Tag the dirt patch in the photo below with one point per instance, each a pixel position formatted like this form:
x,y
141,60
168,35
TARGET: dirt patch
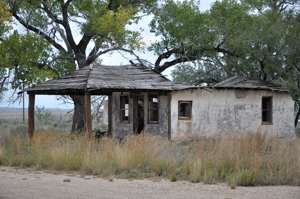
x,y
29,184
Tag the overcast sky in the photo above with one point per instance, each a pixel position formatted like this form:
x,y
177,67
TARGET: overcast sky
x,y
108,59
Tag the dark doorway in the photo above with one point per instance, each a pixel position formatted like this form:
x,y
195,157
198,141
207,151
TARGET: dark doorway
x,y
138,114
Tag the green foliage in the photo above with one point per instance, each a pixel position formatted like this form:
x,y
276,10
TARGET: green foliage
x,y
199,74
254,38
242,178
21,55
48,47
4,13
180,24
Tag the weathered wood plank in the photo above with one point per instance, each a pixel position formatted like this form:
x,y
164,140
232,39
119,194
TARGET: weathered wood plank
x,y
107,77
109,115
31,105
87,116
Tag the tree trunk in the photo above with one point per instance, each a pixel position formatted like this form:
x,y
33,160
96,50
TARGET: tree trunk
x,y
78,115
78,100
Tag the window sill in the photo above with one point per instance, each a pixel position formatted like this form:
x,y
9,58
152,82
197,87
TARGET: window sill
x,y
153,122
185,118
267,123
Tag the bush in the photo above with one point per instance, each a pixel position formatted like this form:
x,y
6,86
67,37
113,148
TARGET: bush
x,y
243,178
244,160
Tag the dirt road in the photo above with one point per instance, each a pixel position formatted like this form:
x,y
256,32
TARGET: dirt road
x,y
25,184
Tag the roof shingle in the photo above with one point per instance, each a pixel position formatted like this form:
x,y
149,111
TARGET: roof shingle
x,y
103,78
244,83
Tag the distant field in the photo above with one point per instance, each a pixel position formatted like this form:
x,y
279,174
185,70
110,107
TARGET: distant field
x,y
17,113
11,120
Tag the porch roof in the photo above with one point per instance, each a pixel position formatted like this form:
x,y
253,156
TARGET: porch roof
x,y
102,79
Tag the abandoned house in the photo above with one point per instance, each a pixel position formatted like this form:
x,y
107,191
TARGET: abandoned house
x,y
143,101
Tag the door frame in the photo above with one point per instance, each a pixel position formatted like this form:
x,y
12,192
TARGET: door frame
x,y
136,119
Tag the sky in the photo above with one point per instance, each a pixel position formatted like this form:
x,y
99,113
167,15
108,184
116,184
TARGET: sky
x,y
107,59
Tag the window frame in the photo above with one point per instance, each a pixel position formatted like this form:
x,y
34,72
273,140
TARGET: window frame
x,y
269,110
124,109
186,118
150,96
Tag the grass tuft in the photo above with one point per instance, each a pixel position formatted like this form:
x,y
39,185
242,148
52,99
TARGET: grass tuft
x,y
246,160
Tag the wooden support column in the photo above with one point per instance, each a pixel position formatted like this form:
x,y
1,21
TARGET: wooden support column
x,y
109,114
87,116
169,116
31,115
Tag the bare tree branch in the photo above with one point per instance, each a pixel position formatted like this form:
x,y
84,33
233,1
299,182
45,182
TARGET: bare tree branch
x,y
85,40
3,81
50,14
181,58
65,23
165,55
94,54
38,31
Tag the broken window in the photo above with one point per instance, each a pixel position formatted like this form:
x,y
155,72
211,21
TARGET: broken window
x,y
185,110
124,107
153,106
267,110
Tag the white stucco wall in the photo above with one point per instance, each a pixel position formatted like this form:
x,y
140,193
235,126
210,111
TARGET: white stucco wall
x,y
227,111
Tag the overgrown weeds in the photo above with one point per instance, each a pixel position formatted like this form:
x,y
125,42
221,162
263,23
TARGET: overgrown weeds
x,y
246,160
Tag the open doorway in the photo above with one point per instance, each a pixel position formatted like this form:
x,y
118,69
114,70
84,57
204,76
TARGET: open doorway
x,y
138,119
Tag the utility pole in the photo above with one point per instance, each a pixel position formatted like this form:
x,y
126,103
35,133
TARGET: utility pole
x,y
23,101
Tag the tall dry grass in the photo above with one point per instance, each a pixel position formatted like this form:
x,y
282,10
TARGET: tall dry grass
x,y
244,160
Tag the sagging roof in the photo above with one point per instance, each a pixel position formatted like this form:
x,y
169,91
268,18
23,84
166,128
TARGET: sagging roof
x,y
101,78
244,83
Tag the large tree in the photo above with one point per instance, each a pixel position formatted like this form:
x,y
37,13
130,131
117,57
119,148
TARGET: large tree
x,y
254,38
73,33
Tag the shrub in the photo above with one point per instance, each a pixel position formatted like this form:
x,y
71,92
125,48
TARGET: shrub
x,y
243,178
173,178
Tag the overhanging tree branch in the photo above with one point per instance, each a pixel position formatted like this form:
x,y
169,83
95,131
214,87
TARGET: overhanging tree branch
x,y
85,40
39,32
94,54
165,55
182,56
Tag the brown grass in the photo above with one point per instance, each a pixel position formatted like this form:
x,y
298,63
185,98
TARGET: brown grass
x,y
245,160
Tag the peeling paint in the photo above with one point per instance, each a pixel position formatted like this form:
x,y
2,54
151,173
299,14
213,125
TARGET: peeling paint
x,y
219,112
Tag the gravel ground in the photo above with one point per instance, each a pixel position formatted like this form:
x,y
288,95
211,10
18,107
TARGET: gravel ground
x,y
28,184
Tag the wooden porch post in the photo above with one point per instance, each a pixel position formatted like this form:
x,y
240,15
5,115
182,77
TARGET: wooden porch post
x,y
87,116
31,115
109,112
169,116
